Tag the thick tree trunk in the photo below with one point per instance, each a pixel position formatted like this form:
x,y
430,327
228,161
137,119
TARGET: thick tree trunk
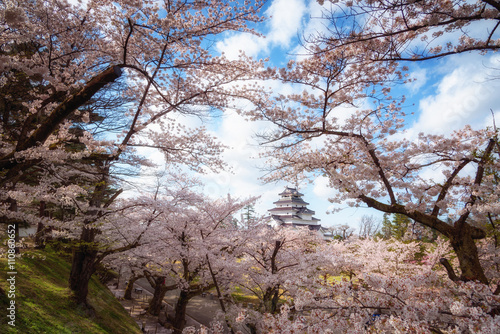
x,y
83,266
274,301
156,302
64,109
40,230
465,248
179,320
130,286
159,293
85,256
270,300
40,236
158,284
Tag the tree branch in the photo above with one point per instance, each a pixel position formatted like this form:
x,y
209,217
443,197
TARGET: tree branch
x,y
447,185
451,273
477,182
427,220
493,3
61,112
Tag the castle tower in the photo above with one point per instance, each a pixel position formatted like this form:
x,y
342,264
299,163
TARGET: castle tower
x,y
291,210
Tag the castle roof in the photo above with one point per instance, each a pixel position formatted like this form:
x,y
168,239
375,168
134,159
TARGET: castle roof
x,y
292,206
291,192
311,227
293,200
306,210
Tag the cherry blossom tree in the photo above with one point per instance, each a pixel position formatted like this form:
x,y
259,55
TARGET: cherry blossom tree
x,y
135,275
393,287
340,121
63,55
368,163
367,286
344,124
172,194
199,240
188,248
411,30
342,231
158,282
273,265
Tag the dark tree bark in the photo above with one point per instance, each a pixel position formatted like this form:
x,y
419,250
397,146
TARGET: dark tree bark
x,y
86,257
179,321
271,299
130,286
86,253
159,292
160,289
271,296
83,265
461,233
468,257
462,237
11,166
41,230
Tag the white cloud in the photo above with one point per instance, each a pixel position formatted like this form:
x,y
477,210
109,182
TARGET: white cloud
x,y
243,159
251,45
419,77
463,96
492,119
244,181
321,187
286,20
312,26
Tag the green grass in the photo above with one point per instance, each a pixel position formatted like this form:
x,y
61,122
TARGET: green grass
x,y
241,296
331,279
44,304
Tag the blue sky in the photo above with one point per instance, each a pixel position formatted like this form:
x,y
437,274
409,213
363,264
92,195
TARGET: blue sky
x,y
447,94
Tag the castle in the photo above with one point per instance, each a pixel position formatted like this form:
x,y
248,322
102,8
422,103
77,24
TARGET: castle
x,y
291,210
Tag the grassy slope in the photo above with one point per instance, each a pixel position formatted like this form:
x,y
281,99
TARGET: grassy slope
x,y
43,303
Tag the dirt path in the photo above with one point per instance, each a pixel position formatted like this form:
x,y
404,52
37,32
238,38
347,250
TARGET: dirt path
x,y
137,309
201,310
